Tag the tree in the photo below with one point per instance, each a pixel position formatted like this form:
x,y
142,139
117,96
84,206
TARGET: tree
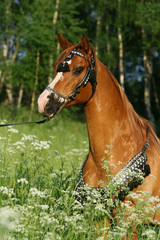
x,y
149,18
10,40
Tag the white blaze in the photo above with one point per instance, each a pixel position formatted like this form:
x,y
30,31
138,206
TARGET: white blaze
x,y
58,77
43,98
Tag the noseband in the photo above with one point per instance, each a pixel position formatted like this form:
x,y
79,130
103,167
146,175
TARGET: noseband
x,y
90,76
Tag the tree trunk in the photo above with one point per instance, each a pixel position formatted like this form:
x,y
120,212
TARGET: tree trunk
x,y
9,93
50,77
147,86
55,16
156,95
97,34
35,83
51,69
2,78
121,65
148,66
7,74
5,50
20,96
121,55
108,45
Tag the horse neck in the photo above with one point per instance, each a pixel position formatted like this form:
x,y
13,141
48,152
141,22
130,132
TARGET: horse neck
x,y
112,121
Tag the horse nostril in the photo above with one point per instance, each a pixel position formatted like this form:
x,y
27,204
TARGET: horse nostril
x,y
52,106
48,105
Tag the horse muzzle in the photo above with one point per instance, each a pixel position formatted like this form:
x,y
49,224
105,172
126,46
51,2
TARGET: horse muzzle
x,y
49,104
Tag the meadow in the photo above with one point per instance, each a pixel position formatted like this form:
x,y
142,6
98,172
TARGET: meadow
x,y
39,168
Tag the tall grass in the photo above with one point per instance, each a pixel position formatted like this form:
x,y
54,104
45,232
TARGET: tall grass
x,y
39,168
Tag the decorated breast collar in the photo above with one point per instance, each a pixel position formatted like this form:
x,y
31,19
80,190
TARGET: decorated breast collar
x,y
128,178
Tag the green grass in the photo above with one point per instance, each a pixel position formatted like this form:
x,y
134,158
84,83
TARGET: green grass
x,y
39,167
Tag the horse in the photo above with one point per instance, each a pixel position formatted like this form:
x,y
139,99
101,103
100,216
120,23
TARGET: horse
x,y
81,78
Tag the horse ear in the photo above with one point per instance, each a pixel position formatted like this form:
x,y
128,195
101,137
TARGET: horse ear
x,y
63,42
84,43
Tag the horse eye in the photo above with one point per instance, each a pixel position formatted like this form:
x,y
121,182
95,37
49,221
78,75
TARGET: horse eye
x,y
78,70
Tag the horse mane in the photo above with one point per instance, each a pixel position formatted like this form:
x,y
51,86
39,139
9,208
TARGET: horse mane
x,y
134,117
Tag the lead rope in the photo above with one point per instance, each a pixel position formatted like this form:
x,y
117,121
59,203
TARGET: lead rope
x,y
37,122
14,124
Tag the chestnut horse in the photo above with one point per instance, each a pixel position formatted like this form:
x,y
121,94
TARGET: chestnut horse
x,y
111,120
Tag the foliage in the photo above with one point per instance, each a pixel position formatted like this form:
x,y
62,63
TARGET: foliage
x,y
29,29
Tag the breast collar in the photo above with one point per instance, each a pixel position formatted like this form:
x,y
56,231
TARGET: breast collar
x,y
128,178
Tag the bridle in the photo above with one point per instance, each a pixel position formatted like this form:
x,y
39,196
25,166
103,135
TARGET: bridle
x,y
90,76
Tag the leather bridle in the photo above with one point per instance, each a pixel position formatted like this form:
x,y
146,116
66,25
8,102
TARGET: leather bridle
x,y
90,76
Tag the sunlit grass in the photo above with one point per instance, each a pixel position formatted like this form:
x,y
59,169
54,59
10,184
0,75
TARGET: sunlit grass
x,y
39,166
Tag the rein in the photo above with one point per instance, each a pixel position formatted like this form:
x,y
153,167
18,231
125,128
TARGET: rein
x,y
37,122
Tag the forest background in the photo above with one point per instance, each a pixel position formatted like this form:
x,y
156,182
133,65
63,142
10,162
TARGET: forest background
x,y
126,35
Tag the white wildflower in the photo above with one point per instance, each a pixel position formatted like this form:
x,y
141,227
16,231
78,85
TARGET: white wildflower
x,y
6,191
120,163
41,144
3,121
3,138
49,236
76,150
13,130
22,180
52,137
10,150
19,144
151,234
85,150
36,192
8,217
154,200
28,137
134,196
52,175
44,207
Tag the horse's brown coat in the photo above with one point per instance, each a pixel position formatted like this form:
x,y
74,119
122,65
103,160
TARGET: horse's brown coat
x,y
111,120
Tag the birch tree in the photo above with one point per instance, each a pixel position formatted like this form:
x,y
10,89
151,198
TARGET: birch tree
x,y
149,18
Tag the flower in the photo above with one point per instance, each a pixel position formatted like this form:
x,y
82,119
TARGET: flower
x,y
8,217
13,130
41,144
149,233
6,191
22,180
36,192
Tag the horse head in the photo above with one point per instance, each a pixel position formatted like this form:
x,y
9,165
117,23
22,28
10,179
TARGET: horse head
x,y
75,77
